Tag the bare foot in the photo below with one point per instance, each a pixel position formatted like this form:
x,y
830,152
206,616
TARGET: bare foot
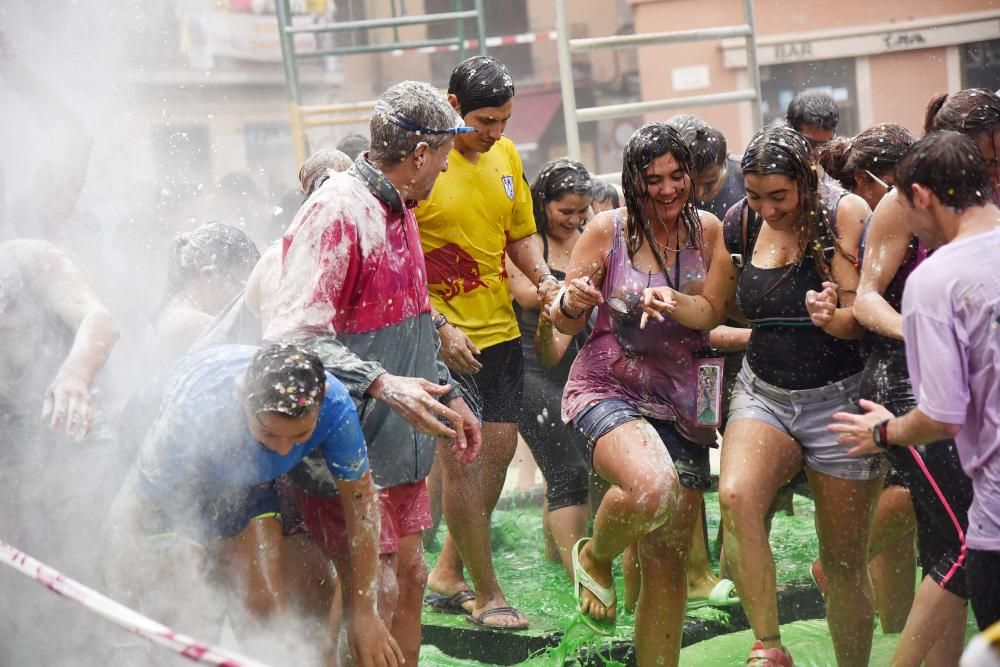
x,y
590,605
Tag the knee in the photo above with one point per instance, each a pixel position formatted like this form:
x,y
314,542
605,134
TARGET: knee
x,y
388,585
736,504
650,499
412,578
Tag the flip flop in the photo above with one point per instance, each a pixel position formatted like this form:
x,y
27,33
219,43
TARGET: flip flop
x,y
451,604
582,579
723,594
498,611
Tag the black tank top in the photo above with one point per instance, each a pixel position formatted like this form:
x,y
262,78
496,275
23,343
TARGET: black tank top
x,y
785,348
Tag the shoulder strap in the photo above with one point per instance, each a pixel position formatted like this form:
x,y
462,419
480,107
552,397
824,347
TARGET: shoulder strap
x,y
740,238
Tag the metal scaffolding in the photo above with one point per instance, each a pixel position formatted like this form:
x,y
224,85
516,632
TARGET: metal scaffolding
x,y
305,116
574,116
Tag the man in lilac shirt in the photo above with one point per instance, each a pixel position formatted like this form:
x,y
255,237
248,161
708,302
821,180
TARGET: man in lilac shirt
x,y
951,325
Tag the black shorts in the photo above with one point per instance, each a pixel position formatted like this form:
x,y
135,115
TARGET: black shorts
x,y
690,458
940,490
494,393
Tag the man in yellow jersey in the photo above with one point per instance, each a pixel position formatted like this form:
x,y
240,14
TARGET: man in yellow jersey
x,y
480,211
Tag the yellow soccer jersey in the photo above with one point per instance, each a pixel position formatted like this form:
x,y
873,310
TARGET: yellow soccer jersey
x,y
465,225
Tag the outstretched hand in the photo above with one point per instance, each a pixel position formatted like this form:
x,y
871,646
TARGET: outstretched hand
x,y
468,433
416,401
856,430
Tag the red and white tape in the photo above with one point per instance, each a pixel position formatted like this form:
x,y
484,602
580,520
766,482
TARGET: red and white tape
x,y
491,42
119,614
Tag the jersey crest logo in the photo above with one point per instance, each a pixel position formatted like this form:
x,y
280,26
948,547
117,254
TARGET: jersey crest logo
x,y
508,185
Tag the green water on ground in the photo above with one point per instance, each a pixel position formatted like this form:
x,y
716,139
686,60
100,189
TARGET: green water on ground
x,y
543,592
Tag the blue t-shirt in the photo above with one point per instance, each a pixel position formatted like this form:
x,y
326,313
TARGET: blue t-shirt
x,y
199,446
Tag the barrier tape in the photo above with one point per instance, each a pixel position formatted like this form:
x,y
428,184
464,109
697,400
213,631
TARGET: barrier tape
x,y
119,614
491,42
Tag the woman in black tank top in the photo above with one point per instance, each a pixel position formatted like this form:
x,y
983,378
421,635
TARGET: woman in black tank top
x,y
799,370
561,196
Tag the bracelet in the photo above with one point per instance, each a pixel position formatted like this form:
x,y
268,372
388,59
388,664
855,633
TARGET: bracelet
x,y
440,321
880,434
562,307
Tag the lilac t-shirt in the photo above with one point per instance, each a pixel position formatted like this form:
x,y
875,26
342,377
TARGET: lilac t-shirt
x,y
951,325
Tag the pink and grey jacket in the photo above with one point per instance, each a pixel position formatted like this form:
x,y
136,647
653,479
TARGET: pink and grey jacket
x,y
354,284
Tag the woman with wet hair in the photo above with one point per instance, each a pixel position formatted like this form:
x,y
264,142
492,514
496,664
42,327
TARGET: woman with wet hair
x,y
561,196
866,164
635,388
793,240
207,268
975,112
941,492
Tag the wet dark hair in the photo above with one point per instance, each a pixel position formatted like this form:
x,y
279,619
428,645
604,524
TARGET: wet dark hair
x,y
951,165
286,379
601,191
971,111
481,81
706,144
645,145
353,145
557,178
878,150
227,248
777,149
813,108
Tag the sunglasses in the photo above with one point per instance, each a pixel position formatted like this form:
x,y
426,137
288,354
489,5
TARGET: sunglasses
x,y
399,120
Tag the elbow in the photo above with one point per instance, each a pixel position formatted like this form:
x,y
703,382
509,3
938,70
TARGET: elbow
x,y
949,431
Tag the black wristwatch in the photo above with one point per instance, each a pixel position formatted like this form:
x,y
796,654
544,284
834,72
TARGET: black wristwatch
x,y
880,434
440,321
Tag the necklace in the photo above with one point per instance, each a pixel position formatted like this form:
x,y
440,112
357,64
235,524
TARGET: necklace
x,y
677,239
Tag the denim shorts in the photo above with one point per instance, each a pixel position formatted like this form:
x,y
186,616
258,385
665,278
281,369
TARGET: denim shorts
x,y
690,458
804,415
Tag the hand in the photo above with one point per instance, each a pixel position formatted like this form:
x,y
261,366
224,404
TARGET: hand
x,y
415,399
822,305
457,350
547,285
545,307
655,302
67,403
856,430
581,296
468,433
370,642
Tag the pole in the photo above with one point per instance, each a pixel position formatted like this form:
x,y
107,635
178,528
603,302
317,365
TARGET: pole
x,y
566,83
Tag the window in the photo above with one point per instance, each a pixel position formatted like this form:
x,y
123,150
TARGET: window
x,y
501,18
981,65
780,83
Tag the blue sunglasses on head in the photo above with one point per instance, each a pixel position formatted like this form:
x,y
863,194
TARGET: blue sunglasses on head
x,y
399,120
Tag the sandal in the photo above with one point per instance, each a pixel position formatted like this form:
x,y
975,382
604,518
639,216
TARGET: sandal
x,y
451,604
582,579
478,621
769,657
723,594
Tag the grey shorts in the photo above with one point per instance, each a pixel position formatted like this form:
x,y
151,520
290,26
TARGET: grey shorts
x,y
804,414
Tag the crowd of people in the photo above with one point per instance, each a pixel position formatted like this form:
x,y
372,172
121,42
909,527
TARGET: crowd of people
x,y
824,309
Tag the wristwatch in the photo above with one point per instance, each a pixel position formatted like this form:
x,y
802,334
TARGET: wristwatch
x,y
546,276
880,434
562,306
440,321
